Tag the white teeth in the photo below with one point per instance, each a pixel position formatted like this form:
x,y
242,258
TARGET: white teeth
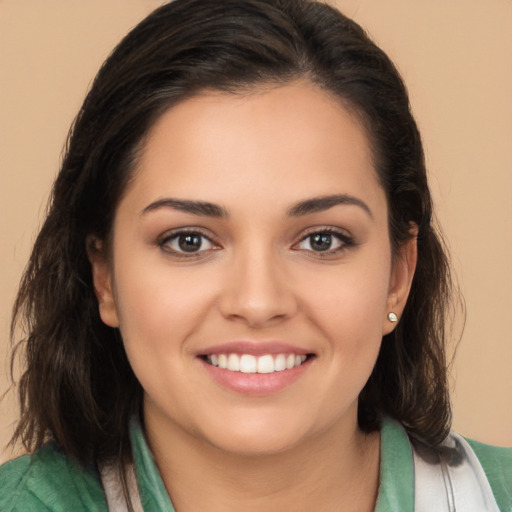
x,y
233,363
247,363
280,363
266,364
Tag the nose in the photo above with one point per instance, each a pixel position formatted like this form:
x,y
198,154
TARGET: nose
x,y
257,290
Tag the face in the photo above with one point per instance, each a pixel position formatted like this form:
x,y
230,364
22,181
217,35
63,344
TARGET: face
x,y
251,272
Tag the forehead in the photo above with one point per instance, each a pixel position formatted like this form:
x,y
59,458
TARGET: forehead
x,y
295,138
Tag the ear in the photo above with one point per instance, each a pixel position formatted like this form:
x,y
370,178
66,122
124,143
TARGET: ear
x,y
102,281
404,265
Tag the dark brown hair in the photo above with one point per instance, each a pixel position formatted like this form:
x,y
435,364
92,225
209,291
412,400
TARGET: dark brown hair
x,y
77,386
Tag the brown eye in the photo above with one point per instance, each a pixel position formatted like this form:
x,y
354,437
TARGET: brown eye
x,y
187,242
190,243
322,241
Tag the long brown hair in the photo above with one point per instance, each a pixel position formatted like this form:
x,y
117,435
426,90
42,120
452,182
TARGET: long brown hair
x,y
77,386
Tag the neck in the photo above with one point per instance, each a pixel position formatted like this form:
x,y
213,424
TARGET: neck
x,y
335,471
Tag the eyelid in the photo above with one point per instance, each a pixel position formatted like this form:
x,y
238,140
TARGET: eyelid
x,y
346,239
343,234
163,240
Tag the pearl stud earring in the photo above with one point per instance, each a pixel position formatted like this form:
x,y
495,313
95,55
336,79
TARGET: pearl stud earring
x,y
392,317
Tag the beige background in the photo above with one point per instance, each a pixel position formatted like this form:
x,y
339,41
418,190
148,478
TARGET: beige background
x,y
456,59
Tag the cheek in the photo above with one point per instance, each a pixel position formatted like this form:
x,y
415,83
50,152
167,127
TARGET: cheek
x,y
159,312
350,310
158,308
351,301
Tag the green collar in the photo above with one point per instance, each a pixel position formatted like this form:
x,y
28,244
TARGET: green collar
x,y
152,491
396,490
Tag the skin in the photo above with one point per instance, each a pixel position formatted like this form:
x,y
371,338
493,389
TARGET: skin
x,y
257,277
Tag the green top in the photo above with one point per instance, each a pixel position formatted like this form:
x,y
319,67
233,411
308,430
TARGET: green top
x,y
49,481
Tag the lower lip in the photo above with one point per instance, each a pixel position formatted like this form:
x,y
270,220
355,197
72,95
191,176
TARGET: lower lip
x,y
257,384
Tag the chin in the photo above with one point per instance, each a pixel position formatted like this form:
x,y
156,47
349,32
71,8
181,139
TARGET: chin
x,y
258,436
251,446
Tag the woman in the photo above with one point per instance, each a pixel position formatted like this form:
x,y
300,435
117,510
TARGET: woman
x,y
237,298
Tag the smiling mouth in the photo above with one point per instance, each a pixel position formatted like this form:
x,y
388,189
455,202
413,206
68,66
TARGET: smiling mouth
x,y
248,363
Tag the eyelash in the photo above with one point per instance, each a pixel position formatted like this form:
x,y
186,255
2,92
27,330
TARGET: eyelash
x,y
346,241
165,240
164,243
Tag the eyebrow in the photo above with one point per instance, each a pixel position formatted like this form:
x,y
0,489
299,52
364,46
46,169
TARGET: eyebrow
x,y
204,208
194,207
320,204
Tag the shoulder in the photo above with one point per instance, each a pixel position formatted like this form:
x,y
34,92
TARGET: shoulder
x,y
496,462
49,481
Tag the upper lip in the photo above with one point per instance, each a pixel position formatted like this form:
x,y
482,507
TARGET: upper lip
x,y
256,348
